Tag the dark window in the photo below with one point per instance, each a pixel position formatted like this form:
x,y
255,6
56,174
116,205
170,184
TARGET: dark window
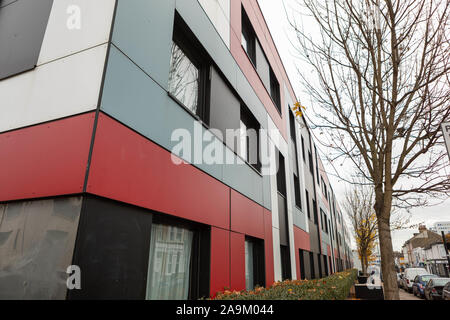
x,y
298,199
248,39
319,261
315,212
331,265
292,125
281,175
22,28
325,263
249,138
310,163
254,263
294,139
307,204
189,71
303,149
302,263
322,219
317,163
285,262
311,264
275,90
325,221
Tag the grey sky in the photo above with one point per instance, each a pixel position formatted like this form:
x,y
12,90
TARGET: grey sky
x,y
281,32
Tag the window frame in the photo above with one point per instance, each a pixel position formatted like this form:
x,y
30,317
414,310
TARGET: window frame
x,y
281,175
200,255
259,267
275,90
249,34
185,39
250,121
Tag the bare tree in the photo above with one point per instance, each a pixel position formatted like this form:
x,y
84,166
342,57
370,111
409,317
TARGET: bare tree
x,y
358,204
381,79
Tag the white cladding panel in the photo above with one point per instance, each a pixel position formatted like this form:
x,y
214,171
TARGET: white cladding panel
x,y
62,88
218,12
63,37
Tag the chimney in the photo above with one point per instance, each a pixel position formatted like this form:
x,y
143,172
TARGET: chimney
x,y
422,228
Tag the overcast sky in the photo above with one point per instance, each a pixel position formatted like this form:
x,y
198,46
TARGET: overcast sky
x,y
281,32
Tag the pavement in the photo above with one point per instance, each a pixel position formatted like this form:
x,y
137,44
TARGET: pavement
x,y
407,296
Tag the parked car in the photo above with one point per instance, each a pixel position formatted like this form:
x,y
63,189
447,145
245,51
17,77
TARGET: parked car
x,y
420,282
446,292
433,289
409,275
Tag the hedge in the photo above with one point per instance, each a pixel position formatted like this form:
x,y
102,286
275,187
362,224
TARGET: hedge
x,y
334,287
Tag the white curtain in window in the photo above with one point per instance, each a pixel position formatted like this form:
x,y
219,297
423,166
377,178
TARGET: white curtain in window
x,y
169,263
249,283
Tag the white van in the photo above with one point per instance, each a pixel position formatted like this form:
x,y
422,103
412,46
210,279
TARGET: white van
x,y
409,275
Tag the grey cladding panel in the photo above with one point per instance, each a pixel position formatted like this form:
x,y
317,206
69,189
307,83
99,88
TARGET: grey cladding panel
x,y
4,3
225,108
22,29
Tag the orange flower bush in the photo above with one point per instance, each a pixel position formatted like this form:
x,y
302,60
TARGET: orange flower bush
x,y
334,287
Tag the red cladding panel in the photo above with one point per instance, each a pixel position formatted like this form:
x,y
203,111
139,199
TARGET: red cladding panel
x,y
247,67
127,167
237,261
220,260
45,160
301,239
246,216
268,247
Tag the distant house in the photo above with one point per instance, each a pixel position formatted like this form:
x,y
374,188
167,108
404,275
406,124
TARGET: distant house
x,y
436,260
414,248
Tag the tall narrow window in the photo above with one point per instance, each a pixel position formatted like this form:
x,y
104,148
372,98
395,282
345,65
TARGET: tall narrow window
x,y
307,204
169,263
319,261
311,264
325,263
248,39
310,163
275,90
249,138
303,149
281,175
315,212
249,274
254,263
298,200
302,264
285,262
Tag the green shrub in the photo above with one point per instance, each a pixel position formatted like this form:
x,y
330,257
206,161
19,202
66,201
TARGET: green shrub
x,y
334,287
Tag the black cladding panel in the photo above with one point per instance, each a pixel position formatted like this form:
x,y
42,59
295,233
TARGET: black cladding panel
x,y
22,28
112,250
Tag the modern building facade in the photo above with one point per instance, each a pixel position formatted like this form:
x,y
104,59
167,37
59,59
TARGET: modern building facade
x,y
441,226
99,101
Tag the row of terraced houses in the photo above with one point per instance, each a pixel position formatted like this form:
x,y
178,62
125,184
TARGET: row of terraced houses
x,y
94,99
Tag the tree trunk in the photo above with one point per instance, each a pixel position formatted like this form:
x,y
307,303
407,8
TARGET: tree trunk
x,y
364,264
387,258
